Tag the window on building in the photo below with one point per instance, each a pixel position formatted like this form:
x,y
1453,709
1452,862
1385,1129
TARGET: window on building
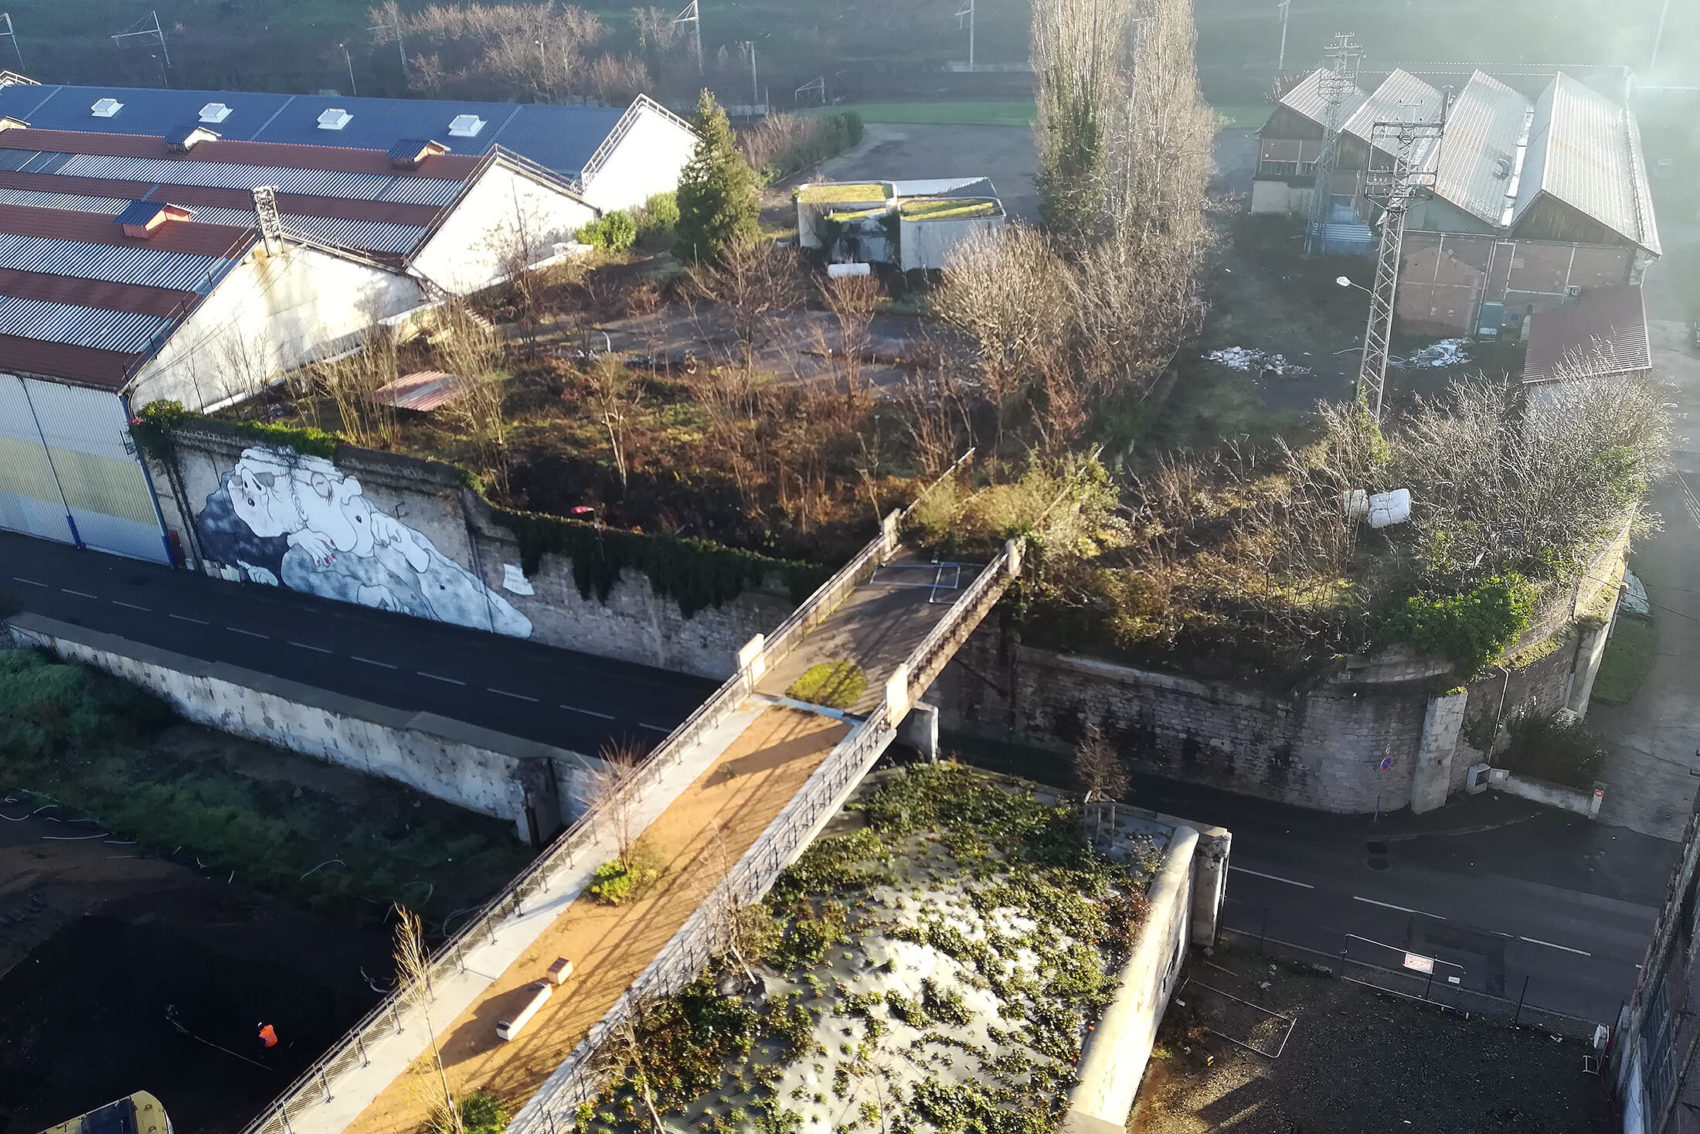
x,y
1278,169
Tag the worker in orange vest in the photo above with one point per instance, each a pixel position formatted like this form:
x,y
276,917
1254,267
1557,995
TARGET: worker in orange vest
x,y
268,1035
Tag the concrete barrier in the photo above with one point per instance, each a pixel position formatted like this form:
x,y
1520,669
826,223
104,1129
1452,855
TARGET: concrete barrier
x,y
475,768
1576,800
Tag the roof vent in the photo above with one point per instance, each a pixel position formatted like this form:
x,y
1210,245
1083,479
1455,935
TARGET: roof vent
x,y
106,108
465,126
187,138
140,218
214,112
335,119
410,153
7,122
1502,168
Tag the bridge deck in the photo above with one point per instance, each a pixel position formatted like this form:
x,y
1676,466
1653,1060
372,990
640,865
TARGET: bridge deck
x,y
699,837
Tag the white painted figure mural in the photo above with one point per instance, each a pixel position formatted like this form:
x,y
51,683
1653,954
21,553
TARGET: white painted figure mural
x,y
299,522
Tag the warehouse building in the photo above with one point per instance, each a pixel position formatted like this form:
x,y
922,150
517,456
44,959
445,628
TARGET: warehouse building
x,y
138,268
614,158
1534,201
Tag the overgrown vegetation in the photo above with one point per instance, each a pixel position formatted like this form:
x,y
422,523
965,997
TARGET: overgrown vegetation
x,y
614,231
936,969
98,745
836,684
1554,746
783,144
625,879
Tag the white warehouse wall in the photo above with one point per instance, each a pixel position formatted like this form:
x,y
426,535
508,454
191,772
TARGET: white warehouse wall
x,y
646,161
474,247
270,314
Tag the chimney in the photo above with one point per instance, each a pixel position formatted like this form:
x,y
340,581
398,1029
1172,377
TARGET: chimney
x,y
410,153
183,140
141,219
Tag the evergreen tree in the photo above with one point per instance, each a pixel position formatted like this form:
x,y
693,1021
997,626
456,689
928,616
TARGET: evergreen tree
x,y
717,191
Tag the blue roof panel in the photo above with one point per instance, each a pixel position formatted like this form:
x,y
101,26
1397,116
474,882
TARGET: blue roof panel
x,y
560,138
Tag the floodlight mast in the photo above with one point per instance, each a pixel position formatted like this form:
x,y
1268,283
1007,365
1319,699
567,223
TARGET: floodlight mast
x,y
693,15
968,12
155,32
11,34
1281,57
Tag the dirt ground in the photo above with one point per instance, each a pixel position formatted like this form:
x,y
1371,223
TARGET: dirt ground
x,y
125,967
1356,1061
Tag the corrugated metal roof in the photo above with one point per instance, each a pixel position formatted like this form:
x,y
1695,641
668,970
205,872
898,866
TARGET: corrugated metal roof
x,y
561,138
154,267
1479,159
1585,150
1401,97
82,365
162,303
73,325
421,391
1603,333
1305,98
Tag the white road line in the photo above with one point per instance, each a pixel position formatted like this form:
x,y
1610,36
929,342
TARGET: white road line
x,y
589,712
131,605
249,633
309,646
515,696
1561,948
1401,909
655,728
1271,877
371,661
79,594
186,618
31,582
445,680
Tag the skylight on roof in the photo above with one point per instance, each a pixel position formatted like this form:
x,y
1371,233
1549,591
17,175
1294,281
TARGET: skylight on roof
x,y
335,119
214,112
465,126
106,108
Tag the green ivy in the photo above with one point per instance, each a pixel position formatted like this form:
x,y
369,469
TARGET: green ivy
x,y
1472,628
695,573
153,425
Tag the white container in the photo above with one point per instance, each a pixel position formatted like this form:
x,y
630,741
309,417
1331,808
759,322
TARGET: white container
x,y
1355,504
839,271
1389,508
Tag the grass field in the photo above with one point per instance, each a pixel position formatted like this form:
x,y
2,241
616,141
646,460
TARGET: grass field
x,y
1628,659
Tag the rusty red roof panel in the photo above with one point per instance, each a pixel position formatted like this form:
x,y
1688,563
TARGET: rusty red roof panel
x,y
1604,332
82,365
225,241
160,302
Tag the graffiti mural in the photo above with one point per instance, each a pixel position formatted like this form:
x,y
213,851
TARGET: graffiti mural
x,y
299,522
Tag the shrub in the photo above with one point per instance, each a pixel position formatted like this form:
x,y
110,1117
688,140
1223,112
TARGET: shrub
x,y
1553,746
836,684
659,215
483,1113
1472,628
614,232
619,881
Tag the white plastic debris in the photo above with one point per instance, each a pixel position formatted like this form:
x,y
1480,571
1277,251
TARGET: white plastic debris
x,y
1252,360
1355,503
1445,352
1389,508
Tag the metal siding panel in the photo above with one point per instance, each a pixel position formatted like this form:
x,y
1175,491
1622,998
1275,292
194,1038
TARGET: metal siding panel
x,y
74,325
153,267
29,499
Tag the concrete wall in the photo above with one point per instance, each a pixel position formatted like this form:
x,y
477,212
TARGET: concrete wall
x,y
1446,277
646,161
481,770
471,573
1272,195
270,314
1112,1063
505,212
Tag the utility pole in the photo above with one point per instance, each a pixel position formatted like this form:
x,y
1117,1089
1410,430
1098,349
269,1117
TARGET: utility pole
x,y
12,35
1412,150
156,33
400,48
1658,38
755,88
693,15
1281,58
1342,54
349,61
968,12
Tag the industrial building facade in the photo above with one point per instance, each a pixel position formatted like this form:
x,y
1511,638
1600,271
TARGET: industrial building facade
x,y
1533,201
182,265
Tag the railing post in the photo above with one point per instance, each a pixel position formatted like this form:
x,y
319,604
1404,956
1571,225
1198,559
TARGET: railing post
x,y
360,1045
325,1082
1012,553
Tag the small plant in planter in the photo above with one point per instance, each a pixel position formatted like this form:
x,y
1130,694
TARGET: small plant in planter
x,y
618,880
837,684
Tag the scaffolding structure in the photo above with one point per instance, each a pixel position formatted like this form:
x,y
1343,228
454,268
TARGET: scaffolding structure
x,y
1403,158
1342,54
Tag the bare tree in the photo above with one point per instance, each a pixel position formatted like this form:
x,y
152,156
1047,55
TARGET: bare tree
x,y
413,978
352,381
1079,50
752,282
853,301
616,397
467,348
609,791
1098,769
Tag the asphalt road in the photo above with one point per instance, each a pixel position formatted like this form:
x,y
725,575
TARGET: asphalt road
x,y
1496,890
577,701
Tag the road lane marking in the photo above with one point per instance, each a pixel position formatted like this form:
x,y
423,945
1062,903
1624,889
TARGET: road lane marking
x,y
1401,909
31,582
372,661
186,618
515,696
1271,877
79,594
655,728
589,712
309,646
435,677
131,605
1551,945
249,633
